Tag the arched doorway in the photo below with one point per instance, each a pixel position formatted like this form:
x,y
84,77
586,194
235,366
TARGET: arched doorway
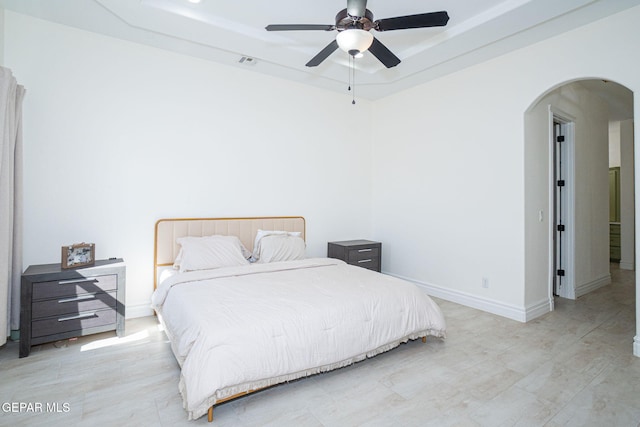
x,y
567,152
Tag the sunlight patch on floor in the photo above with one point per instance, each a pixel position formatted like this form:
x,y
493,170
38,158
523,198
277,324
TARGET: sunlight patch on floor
x,y
115,341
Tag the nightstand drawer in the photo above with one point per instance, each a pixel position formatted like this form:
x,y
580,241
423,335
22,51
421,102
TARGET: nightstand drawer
x,y
370,263
73,304
72,322
356,255
82,285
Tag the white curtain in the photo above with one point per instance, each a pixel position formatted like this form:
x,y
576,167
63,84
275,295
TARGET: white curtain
x,y
11,95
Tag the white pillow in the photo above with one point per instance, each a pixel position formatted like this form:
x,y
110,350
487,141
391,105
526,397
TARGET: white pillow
x,y
279,247
261,233
202,253
164,273
176,262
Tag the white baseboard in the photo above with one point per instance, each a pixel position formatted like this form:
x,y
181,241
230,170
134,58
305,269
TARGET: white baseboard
x,y
513,312
636,346
536,310
624,265
591,286
133,311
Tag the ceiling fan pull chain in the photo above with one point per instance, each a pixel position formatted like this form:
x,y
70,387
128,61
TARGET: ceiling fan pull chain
x,y
350,59
353,79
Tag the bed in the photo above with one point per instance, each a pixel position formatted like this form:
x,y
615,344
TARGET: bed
x,y
237,326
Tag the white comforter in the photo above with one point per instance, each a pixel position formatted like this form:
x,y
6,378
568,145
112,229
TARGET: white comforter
x,y
240,328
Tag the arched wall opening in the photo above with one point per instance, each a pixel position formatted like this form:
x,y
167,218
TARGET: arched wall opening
x,y
594,118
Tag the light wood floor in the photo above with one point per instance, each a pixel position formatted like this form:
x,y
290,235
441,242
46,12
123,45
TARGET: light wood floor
x,y
571,367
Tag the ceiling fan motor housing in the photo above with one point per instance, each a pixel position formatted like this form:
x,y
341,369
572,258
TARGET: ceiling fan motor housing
x,y
344,21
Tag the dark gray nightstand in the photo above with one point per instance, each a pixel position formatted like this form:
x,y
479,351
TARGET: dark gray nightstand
x,y
363,253
58,303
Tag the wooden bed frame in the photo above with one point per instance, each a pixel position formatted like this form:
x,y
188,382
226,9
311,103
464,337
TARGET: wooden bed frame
x,y
169,229
166,249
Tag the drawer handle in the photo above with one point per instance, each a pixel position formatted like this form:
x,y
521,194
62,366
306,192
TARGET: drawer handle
x,y
365,250
77,316
364,260
69,282
78,298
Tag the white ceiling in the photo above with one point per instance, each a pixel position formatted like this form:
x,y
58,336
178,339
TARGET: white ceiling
x,y
225,31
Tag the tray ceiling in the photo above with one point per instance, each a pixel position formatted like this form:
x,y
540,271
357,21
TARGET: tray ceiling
x,y
226,32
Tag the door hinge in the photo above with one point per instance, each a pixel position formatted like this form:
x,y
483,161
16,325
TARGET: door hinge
x,y
560,138
560,227
560,273
561,183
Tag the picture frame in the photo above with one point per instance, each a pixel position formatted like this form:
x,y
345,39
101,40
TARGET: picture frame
x,y
78,255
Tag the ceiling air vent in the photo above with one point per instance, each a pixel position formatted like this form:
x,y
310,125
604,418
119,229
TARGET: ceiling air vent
x,y
247,60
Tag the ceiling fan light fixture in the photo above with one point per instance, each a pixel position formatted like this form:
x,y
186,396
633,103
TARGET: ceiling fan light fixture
x,y
354,41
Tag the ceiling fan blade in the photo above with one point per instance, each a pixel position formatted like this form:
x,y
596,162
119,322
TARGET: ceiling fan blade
x,y
299,27
423,20
356,7
324,54
383,54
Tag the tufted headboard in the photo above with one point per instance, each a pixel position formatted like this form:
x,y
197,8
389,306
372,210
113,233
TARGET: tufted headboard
x,y
168,230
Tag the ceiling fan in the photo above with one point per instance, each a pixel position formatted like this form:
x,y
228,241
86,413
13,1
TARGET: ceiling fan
x,y
353,25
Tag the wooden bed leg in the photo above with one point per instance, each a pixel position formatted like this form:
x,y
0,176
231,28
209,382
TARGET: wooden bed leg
x,y
210,415
424,339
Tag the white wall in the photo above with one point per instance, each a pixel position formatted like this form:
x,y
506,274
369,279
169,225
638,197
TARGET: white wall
x,y
627,197
614,144
118,135
449,160
592,193
448,196
1,36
